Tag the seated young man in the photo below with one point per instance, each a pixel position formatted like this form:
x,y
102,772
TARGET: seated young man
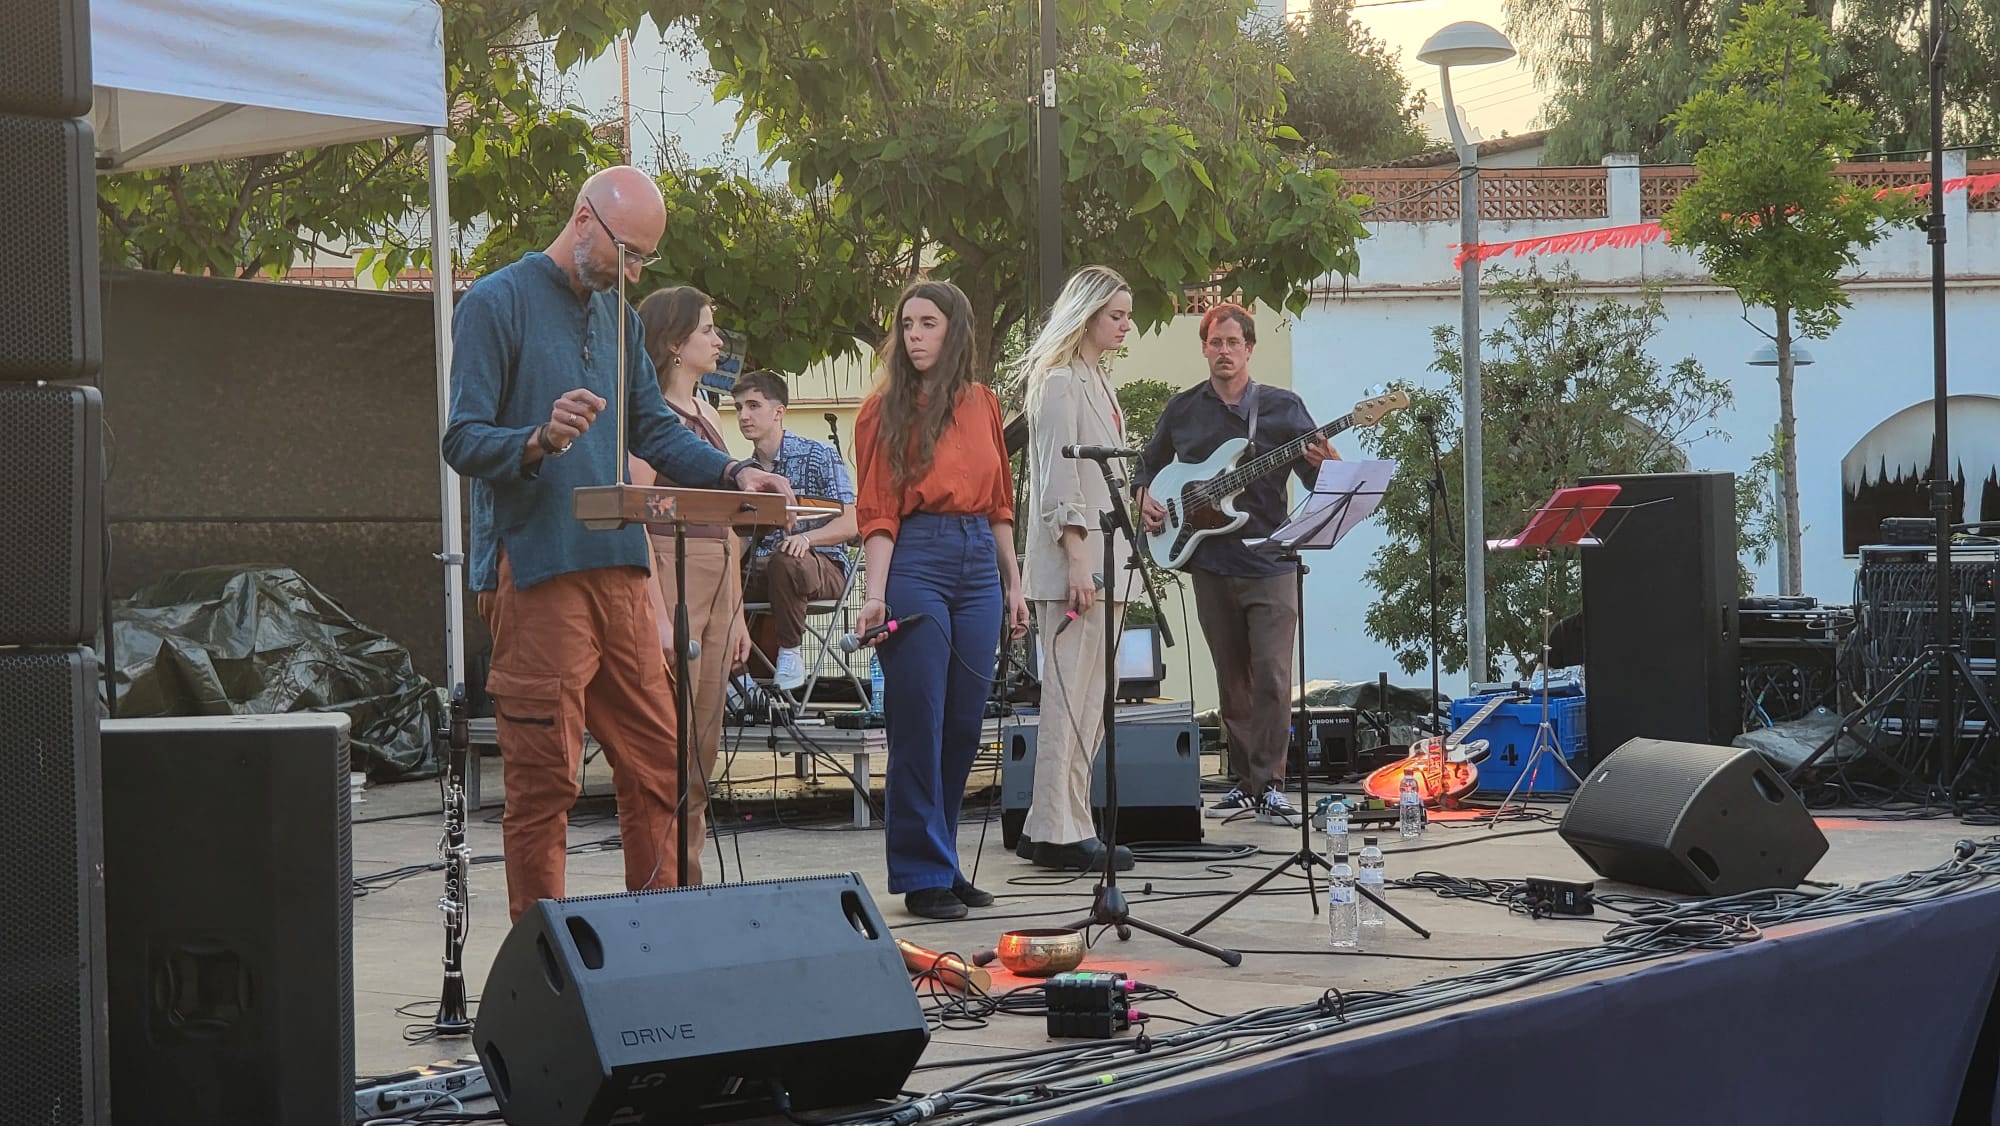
x,y
790,569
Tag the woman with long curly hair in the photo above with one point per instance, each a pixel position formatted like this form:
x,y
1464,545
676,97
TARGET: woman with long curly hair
x,y
936,508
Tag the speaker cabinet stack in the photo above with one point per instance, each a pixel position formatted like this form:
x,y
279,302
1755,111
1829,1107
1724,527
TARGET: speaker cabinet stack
x,y
53,1056
1660,639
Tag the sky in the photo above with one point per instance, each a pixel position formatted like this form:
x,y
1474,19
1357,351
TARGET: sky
x,y
670,98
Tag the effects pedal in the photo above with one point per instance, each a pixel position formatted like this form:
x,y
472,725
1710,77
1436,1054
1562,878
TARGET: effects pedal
x,y
1088,1005
429,1087
1558,897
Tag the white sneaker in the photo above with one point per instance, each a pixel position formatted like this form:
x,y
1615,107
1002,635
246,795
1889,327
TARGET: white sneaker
x,y
791,670
1230,804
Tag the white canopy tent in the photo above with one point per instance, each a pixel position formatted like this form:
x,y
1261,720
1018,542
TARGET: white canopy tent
x,y
192,81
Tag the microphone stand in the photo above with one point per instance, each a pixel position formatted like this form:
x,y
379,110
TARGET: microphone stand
x,y
1108,907
1436,495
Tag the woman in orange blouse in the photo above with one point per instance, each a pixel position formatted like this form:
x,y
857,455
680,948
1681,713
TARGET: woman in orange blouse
x,y
936,508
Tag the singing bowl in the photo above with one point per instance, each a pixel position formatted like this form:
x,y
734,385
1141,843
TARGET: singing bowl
x,y
1041,953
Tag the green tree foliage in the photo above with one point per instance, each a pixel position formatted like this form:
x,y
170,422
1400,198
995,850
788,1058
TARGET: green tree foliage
x,y
1348,100
1617,69
1571,390
918,115
1768,217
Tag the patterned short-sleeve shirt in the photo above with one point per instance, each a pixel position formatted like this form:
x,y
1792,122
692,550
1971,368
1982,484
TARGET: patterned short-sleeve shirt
x,y
815,470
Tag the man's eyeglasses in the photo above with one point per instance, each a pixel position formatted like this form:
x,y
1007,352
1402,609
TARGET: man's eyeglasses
x,y
627,251
1229,345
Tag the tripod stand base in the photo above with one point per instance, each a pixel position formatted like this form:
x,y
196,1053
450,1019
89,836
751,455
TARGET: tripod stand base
x,y
1108,909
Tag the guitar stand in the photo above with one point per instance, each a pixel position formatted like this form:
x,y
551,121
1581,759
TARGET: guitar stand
x,y
1306,858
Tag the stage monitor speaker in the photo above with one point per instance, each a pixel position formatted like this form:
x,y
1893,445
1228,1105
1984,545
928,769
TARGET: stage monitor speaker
x,y
48,288
51,513
228,877
1659,608
54,1064
695,1004
1159,781
1689,818
45,58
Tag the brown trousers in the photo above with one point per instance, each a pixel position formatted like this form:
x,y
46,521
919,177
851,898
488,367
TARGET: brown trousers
x,y
788,584
715,603
1250,625
580,651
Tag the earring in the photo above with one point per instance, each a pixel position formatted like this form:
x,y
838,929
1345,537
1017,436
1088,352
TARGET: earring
x,y
677,359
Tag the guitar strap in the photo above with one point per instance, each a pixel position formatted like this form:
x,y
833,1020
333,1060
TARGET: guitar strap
x,y
1255,398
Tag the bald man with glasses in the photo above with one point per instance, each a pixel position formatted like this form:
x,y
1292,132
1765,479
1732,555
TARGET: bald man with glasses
x,y
533,382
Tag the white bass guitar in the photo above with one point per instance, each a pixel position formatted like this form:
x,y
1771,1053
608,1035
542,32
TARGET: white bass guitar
x,y
1200,497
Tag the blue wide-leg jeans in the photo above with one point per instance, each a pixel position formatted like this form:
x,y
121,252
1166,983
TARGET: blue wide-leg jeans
x,y
936,677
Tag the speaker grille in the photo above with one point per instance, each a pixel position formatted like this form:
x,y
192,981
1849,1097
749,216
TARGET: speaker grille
x,y
51,939
45,58
49,286
1653,789
51,514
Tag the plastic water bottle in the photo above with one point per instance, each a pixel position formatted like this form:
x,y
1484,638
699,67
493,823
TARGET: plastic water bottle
x,y
1336,828
1410,807
1341,913
874,683
1371,878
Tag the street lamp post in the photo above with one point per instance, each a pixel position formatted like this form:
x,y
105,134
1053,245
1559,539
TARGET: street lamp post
x,y
1469,44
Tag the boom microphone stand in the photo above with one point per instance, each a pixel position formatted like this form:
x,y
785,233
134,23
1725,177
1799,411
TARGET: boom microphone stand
x,y
1108,907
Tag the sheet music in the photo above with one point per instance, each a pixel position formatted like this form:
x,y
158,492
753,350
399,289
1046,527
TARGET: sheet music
x,y
1366,481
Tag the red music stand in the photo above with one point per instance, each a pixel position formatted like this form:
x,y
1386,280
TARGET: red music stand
x,y
1567,519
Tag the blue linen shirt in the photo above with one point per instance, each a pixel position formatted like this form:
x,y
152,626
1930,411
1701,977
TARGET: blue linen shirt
x,y
521,338
815,470
1192,425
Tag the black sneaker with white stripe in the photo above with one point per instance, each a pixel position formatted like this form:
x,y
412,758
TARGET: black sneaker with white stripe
x,y
1273,809
1232,803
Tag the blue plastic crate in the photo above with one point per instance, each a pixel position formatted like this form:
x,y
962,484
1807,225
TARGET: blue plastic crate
x,y
1510,736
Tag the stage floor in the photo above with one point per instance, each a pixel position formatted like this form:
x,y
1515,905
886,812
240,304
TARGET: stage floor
x,y
1287,959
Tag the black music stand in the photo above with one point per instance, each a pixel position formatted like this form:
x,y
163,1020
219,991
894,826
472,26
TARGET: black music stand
x,y
1567,519
1345,494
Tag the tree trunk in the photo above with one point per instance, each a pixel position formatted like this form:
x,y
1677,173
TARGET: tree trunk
x,y
1788,456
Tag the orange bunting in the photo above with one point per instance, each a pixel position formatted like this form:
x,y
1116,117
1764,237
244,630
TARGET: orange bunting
x,y
1635,234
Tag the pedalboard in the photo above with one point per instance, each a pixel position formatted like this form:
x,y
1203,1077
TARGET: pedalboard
x,y
437,1086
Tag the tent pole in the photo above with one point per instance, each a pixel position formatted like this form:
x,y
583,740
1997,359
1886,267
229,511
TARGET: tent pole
x,y
453,555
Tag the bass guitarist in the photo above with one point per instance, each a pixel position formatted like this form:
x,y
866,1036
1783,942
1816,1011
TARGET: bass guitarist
x,y
1247,600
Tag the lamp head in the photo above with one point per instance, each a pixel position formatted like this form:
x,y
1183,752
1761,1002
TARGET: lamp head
x,y
1766,356
1467,43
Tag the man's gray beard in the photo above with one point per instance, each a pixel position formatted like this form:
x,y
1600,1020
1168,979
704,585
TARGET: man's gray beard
x,y
586,270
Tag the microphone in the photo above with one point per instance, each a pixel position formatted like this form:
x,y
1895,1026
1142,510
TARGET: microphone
x,y
1070,615
1098,453
850,642
694,649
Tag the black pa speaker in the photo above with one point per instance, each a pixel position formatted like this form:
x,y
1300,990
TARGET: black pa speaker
x,y
696,1004
1159,781
52,513
53,1057
1659,613
49,327
228,877
1684,817
45,58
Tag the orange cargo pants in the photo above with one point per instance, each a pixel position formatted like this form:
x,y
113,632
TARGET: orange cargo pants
x,y
580,651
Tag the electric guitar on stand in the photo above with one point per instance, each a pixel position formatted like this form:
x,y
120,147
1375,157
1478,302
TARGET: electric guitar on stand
x,y
1447,769
1200,497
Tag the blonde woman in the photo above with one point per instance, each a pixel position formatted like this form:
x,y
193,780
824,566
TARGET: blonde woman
x,y
1070,401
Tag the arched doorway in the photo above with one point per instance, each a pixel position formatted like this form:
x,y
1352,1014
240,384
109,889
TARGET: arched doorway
x,y
1887,473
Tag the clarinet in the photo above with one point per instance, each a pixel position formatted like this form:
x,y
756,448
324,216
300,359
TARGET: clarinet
x,y
457,856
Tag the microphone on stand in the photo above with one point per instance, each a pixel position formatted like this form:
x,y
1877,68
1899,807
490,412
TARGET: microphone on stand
x,y
850,642
1098,453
